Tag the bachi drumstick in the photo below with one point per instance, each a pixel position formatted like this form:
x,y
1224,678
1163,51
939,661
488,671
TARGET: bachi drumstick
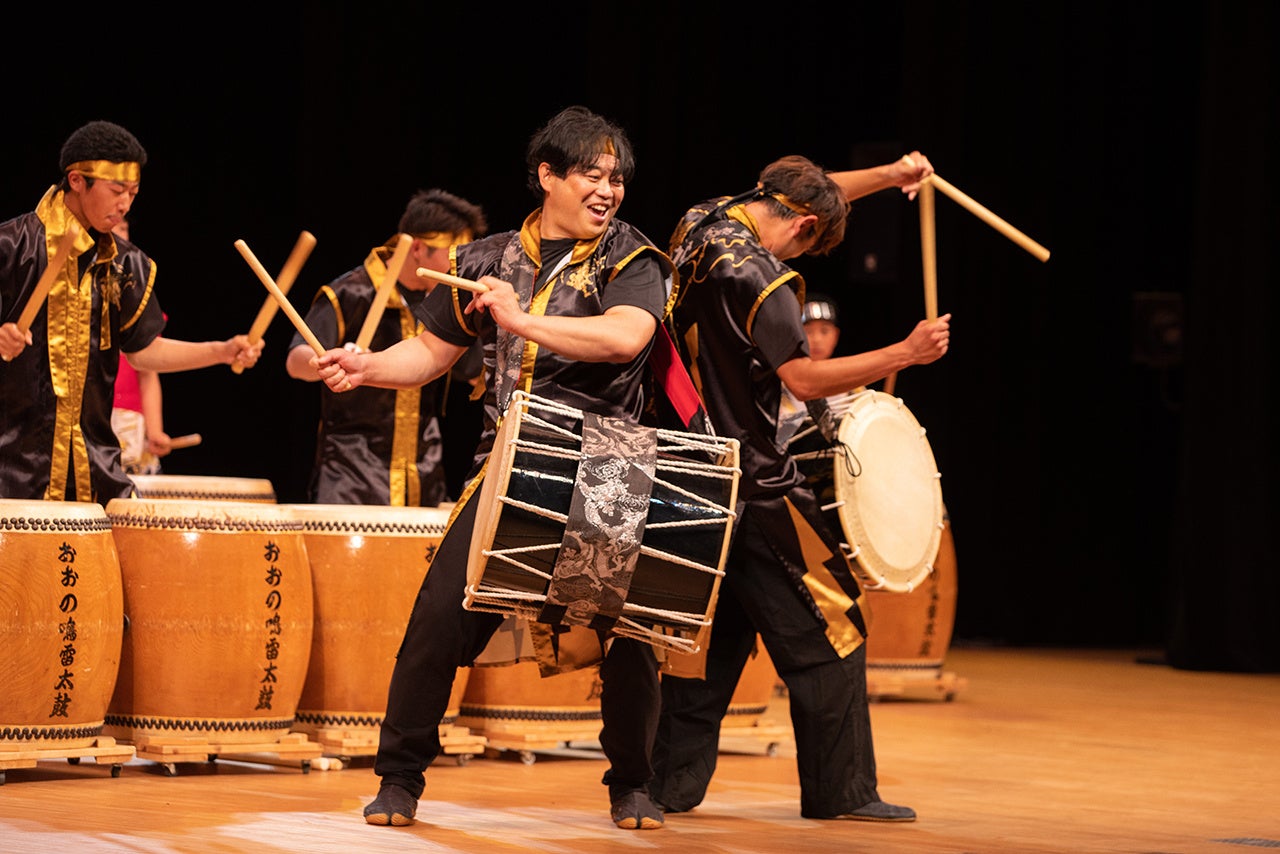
x,y
453,281
301,251
988,217
289,310
394,266
32,308
928,262
188,441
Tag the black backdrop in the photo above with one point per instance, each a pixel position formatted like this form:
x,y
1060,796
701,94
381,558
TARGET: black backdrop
x,y
1102,422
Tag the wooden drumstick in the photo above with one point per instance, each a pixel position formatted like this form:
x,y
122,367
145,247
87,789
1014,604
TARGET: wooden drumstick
x,y
301,251
289,310
929,251
32,308
453,281
394,266
188,441
988,217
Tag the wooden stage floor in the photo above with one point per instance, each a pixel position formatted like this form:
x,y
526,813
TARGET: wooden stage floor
x,y
1041,751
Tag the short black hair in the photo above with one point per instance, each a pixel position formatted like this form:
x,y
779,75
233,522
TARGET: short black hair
x,y
575,138
439,210
101,140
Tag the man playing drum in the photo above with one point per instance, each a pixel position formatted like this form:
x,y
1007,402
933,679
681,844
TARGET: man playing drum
x,y
786,578
72,299
568,308
383,446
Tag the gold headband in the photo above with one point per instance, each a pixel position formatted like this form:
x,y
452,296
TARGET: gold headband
x,y
444,239
108,170
785,200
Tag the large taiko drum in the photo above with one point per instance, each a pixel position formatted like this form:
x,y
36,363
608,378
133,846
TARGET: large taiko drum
x,y
61,623
911,632
881,490
367,564
199,487
218,598
644,518
515,707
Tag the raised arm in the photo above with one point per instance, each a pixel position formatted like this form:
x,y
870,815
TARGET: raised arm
x,y
906,172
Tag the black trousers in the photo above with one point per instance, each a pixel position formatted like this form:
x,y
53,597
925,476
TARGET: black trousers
x,y
442,636
829,709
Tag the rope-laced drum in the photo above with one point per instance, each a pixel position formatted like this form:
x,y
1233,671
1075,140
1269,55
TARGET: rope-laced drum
x,y
602,524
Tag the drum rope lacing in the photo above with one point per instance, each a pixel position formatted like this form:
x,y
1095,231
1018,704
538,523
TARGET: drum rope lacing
x,y
624,626
669,443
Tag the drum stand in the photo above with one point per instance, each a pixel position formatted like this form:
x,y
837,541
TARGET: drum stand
x,y
341,744
292,750
103,751
885,684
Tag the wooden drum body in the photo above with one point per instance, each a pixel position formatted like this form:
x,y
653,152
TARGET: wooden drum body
x,y
367,565
192,487
911,633
516,708
218,597
61,623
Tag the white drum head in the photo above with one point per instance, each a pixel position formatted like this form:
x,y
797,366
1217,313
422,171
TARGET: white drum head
x,y
889,492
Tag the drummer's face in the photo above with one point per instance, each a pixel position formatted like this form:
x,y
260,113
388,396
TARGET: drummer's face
x,y
432,257
581,204
103,204
823,336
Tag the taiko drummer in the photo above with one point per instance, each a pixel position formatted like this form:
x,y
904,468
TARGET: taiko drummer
x,y
566,308
73,297
740,315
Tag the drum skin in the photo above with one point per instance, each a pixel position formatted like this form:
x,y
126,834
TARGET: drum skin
x,y
888,492
367,565
218,598
61,623
204,488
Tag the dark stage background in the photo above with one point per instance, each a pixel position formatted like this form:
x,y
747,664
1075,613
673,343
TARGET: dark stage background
x,y
1104,421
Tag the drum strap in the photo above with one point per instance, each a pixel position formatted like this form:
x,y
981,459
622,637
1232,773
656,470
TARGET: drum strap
x,y
825,419
605,525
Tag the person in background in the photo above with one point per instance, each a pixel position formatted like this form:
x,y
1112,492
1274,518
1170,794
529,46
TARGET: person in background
x,y
377,445
739,320
137,410
821,319
57,377
571,304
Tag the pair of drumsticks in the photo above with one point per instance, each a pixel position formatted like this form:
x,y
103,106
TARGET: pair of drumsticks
x,y
928,243
279,288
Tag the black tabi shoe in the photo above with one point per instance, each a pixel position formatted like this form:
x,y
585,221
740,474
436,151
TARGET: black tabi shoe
x,y
634,811
394,806
879,811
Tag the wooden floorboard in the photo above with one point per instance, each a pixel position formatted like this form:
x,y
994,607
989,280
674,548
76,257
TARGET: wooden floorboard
x,y
1040,751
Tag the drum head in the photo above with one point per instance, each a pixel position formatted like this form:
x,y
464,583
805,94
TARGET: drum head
x,y
889,492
